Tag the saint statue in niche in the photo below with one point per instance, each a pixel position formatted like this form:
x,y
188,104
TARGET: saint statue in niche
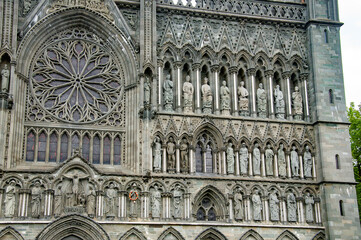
x,y
238,205
188,91
261,101
243,159
295,163
156,199
184,155
168,94
36,200
5,78
177,202
269,154
157,155
147,90
207,97
297,104
280,103
243,99
309,201
171,155
230,159
291,208
58,201
257,206
225,99
111,196
282,166
274,206
90,202
10,199
256,160
307,165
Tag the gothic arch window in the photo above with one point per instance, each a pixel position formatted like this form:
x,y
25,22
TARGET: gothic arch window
x,y
209,205
251,234
42,147
86,147
53,147
75,141
106,150
10,233
171,234
205,153
211,234
30,146
287,235
96,149
199,159
64,147
117,151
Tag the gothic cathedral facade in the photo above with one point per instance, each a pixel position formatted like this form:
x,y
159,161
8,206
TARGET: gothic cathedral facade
x,y
174,120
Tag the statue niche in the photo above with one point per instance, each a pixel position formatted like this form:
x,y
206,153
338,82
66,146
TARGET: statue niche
x,y
156,200
11,197
111,203
134,204
178,196
72,193
37,190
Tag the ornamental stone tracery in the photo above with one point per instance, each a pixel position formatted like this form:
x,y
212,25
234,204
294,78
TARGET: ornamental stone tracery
x,y
76,79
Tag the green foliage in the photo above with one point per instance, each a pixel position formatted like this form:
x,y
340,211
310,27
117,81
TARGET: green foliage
x,y
354,116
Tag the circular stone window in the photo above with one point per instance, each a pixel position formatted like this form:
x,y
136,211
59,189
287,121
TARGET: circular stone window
x,y
75,78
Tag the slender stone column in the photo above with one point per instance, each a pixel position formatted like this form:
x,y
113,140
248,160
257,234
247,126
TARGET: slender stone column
x,y
250,164
288,164
219,161
49,197
24,195
177,158
318,210
215,71
247,197
160,84
304,80
233,74
263,165
100,205
286,78
2,190
251,82
313,167
179,88
164,146
191,159
145,205
204,157
141,86
266,209
301,216
275,166
187,205
215,170
196,69
230,207
166,204
123,204
237,167
224,161
301,166
269,75
283,214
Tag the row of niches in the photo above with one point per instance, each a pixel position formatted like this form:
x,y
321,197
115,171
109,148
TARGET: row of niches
x,y
75,192
236,91
48,145
204,156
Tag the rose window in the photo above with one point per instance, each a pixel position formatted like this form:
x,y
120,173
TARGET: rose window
x,y
76,80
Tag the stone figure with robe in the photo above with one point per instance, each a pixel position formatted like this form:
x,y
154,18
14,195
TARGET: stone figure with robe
x,y
291,208
238,205
133,195
157,155
243,101
295,162
177,202
5,78
171,154
279,102
188,91
309,201
274,206
36,193
90,202
225,98
10,199
111,196
307,162
207,97
243,159
257,206
156,199
269,155
256,160
58,201
297,104
230,159
147,90
261,101
183,148
282,165
168,93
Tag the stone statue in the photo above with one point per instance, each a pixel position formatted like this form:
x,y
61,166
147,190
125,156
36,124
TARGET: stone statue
x,y
295,163
207,97
184,155
261,101
90,202
155,202
274,206
177,202
243,159
282,166
5,78
111,196
225,99
297,104
307,162
168,93
10,199
230,159
73,194
243,101
238,205
133,195
256,160
309,207
291,208
36,200
147,90
269,154
157,155
171,154
257,206
188,91
280,103
27,6
58,201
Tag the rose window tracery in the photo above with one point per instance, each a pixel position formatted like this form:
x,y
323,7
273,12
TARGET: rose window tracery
x,y
76,80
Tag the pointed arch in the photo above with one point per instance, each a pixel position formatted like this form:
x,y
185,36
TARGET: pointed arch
x,y
171,232
251,233
11,231
319,236
211,233
133,232
287,235
76,225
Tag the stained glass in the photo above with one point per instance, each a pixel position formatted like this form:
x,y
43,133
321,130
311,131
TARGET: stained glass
x,y
86,147
199,159
42,147
96,150
117,151
106,150
30,147
64,147
53,147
